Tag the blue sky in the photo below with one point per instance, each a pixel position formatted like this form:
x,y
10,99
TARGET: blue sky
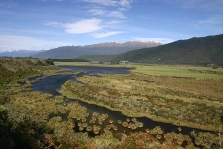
x,y
46,24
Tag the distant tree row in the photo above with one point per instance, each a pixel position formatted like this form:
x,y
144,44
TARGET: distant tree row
x,y
69,60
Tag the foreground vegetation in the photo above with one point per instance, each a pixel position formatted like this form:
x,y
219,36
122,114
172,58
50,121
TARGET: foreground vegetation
x,y
37,120
194,100
159,98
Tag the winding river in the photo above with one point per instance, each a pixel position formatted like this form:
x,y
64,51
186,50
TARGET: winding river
x,y
52,84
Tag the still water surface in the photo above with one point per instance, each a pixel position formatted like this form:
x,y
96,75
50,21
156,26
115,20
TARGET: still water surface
x,y
52,84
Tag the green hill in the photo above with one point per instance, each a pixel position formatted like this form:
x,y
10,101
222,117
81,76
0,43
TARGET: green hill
x,y
17,68
195,51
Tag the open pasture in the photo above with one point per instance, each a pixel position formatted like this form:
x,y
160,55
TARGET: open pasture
x,y
180,71
169,70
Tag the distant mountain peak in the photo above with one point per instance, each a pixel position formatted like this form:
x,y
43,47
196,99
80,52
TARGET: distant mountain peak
x,y
104,48
126,44
20,53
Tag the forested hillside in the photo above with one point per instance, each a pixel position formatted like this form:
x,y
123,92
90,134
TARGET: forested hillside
x,y
204,50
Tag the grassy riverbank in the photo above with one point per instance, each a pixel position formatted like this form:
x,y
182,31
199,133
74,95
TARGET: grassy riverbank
x,y
165,93
181,71
139,95
169,70
36,120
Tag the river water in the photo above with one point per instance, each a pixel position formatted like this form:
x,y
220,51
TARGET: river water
x,y
52,84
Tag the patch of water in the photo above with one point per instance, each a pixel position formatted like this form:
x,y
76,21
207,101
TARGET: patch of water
x,y
52,84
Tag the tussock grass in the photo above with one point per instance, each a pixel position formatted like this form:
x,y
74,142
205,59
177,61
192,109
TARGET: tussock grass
x,y
161,98
44,121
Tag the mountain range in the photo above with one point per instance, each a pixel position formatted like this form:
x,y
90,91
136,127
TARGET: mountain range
x,y
19,53
195,51
106,48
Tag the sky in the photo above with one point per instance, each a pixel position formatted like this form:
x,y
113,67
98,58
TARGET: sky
x,y
47,24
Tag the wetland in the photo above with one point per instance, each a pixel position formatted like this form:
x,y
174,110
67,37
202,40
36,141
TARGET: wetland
x,y
116,106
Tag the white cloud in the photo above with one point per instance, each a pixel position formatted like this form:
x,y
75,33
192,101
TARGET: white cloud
x,y
97,11
117,14
87,26
107,13
102,35
110,8
115,22
162,40
124,3
91,26
10,42
83,26
80,27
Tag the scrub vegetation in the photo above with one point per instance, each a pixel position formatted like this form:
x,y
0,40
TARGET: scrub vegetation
x,y
197,104
39,120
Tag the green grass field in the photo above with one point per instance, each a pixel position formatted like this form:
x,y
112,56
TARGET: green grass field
x,y
181,71
169,70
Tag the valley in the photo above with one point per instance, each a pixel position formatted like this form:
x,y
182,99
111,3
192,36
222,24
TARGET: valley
x,y
86,105
111,74
152,96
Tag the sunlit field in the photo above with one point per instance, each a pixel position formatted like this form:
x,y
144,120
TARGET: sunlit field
x,y
169,70
155,86
185,97
181,71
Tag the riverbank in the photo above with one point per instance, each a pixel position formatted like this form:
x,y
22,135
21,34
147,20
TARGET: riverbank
x,y
159,70
38,120
137,105
182,86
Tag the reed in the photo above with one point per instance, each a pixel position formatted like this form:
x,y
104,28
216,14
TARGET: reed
x,y
147,130
119,122
89,128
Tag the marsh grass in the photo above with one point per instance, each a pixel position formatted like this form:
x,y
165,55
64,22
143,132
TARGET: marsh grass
x,y
46,123
161,98
170,70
